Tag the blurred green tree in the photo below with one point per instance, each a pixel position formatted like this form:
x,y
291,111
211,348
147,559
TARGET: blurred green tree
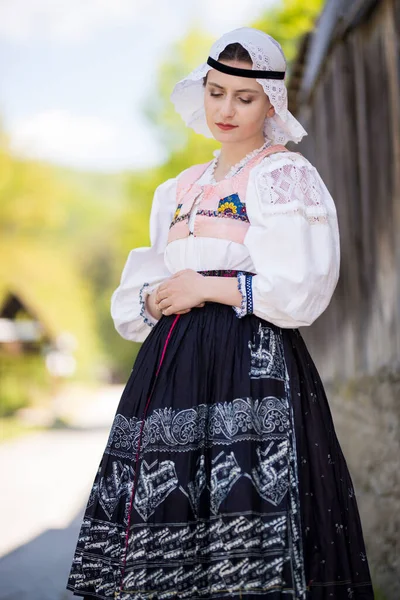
x,y
288,21
38,217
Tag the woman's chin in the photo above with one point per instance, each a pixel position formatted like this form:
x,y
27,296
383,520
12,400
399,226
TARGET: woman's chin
x,y
225,136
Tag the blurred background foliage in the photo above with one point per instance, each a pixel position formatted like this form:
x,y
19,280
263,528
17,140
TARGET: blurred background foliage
x,y
65,234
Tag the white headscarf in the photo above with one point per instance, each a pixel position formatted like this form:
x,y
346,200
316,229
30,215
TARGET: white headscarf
x,y
266,55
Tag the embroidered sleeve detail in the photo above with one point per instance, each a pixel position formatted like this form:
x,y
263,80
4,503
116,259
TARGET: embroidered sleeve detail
x,y
241,282
293,187
288,183
245,288
144,291
249,294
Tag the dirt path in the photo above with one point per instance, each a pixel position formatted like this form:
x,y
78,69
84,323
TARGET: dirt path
x,y
46,479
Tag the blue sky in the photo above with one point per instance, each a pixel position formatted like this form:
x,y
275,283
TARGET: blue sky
x,y
74,74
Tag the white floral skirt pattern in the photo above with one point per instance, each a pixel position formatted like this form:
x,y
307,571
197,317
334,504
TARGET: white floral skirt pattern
x,y
223,475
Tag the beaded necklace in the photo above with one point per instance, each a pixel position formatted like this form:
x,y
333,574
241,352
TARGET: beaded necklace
x,y
239,165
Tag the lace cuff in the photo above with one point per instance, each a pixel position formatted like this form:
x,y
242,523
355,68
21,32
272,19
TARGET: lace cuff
x,y
144,291
245,289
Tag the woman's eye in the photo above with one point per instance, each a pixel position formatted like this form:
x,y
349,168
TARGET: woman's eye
x,y
215,95
245,101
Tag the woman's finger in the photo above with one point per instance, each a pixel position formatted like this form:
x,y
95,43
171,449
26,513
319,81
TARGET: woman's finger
x,y
164,304
161,295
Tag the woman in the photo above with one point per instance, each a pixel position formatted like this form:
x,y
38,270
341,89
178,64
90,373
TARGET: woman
x,y
223,475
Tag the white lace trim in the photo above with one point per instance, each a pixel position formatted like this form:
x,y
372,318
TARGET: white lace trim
x,y
241,283
145,291
238,166
289,183
312,219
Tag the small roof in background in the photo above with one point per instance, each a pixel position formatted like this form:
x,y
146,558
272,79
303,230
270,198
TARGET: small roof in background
x,y
14,329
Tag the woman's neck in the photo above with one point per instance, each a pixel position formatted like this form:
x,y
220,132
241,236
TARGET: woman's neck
x,y
232,153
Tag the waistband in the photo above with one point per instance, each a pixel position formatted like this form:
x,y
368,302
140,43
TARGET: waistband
x,y
223,273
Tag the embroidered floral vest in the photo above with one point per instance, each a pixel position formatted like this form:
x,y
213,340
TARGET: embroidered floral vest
x,y
221,212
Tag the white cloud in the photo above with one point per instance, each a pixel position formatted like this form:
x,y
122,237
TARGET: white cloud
x,y
61,20
66,21
81,141
219,16
122,138
58,133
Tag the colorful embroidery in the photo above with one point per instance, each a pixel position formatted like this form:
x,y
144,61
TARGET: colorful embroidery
x,y
222,273
178,208
178,218
229,215
229,207
232,205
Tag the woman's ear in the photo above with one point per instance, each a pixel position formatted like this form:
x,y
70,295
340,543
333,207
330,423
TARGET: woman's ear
x,y
271,111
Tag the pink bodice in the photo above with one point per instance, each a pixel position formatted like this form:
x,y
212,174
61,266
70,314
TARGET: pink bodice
x,y
221,211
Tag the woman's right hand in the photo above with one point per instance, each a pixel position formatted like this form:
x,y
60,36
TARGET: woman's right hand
x,y
153,309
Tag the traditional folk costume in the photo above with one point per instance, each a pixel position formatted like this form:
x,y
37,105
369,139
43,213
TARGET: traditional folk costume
x,y
223,476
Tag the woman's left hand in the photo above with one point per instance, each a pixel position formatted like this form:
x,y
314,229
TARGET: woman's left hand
x,y
180,293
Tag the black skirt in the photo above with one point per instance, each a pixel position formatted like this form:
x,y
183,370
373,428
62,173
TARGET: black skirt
x,y
223,475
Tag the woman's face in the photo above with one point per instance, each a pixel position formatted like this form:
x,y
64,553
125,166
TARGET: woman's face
x,y
235,107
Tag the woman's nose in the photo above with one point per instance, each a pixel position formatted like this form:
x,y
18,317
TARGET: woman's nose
x,y
227,108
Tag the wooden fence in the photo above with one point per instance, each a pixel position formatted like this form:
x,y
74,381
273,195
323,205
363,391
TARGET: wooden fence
x,y
352,114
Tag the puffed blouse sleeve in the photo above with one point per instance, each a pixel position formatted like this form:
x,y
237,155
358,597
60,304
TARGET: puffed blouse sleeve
x,y
144,270
293,240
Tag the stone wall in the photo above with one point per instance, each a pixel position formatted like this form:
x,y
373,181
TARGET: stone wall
x,y
366,413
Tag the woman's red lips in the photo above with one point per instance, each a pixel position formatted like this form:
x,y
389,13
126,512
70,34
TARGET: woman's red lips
x,y
225,127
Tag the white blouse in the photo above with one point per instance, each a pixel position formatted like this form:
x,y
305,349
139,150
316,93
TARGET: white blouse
x,y
292,246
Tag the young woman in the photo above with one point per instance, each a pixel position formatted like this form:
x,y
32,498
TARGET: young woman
x,y
223,475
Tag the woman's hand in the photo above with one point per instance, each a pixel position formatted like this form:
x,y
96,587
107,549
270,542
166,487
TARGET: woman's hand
x,y
180,293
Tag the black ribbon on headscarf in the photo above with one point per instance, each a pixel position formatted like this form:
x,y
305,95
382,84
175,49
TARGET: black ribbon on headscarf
x,y
244,72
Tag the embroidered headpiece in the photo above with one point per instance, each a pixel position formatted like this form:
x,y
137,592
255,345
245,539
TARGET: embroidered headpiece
x,y
268,68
